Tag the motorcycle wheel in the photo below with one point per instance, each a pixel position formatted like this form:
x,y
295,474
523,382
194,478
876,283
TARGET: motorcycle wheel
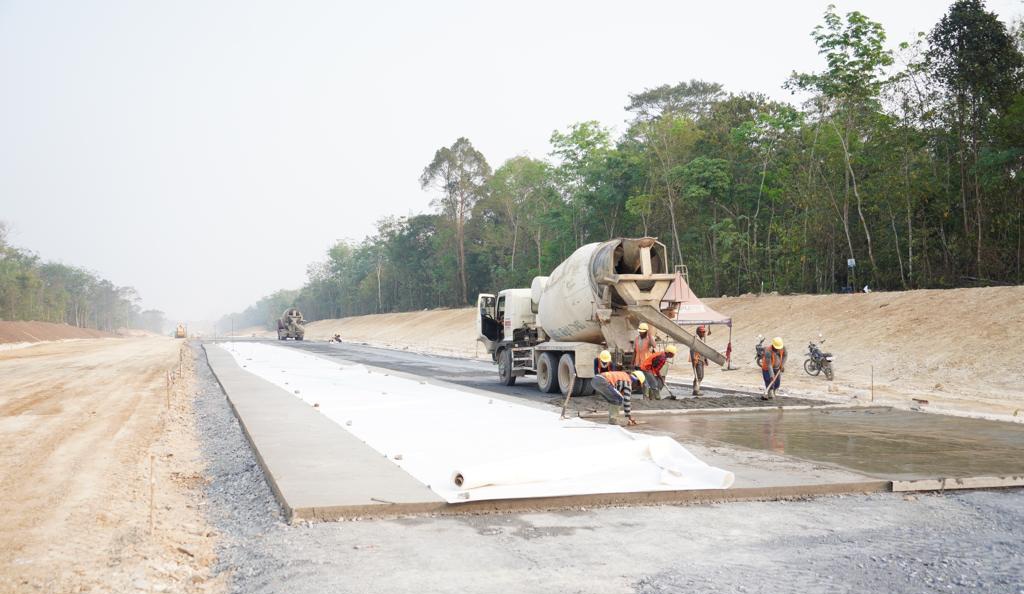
x,y
811,367
828,372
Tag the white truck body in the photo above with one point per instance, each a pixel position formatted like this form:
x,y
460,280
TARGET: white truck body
x,y
592,301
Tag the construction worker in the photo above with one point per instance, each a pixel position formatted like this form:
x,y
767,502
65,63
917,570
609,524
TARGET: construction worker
x,y
698,362
603,363
652,366
617,387
772,365
642,344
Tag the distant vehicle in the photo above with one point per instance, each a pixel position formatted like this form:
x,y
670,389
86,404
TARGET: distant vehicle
x,y
290,325
180,331
592,301
818,361
759,350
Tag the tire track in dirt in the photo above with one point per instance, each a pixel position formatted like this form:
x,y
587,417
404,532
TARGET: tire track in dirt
x,y
78,423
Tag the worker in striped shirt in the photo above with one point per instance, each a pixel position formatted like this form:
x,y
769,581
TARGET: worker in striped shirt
x,y
617,387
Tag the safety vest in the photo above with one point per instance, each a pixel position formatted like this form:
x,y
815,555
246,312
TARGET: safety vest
x,y
617,376
641,346
770,355
620,380
650,360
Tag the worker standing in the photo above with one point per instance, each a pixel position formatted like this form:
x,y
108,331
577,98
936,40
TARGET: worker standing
x,y
617,388
698,362
772,365
603,363
642,344
653,366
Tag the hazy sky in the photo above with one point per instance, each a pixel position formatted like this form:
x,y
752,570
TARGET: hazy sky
x,y
206,152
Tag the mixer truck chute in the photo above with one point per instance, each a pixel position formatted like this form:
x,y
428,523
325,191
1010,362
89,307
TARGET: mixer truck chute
x,y
593,300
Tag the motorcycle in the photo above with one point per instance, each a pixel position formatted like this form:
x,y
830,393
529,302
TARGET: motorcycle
x,y
759,350
818,360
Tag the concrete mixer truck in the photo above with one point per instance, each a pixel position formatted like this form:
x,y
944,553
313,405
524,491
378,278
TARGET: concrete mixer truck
x,y
290,325
593,300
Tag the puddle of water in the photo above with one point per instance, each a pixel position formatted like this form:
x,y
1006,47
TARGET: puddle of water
x,y
881,442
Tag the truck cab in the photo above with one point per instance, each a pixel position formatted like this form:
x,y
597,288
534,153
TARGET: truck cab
x,y
505,318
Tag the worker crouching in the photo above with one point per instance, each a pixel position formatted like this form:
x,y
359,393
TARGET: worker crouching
x,y
617,388
772,365
604,363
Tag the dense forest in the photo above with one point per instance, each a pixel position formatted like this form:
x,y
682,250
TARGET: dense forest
x,y
31,289
907,160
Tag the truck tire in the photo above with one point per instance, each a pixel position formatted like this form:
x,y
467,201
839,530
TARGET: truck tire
x,y
505,368
547,373
567,369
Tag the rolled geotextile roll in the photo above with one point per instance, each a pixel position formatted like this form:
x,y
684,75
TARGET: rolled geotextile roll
x,y
676,463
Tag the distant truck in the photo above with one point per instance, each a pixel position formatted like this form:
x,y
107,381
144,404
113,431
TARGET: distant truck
x,y
290,325
180,331
593,300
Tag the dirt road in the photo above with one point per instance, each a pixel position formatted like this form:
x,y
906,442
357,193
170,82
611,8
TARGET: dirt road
x,y
78,422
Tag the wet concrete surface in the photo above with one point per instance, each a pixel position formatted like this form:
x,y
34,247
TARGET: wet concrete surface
x,y
879,442
483,375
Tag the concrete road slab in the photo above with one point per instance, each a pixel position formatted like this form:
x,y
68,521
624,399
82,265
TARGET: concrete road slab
x,y
315,468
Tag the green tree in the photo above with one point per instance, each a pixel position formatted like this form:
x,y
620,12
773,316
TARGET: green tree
x,y
460,173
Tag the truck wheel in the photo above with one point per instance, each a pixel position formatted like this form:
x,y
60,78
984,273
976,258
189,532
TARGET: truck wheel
x,y
547,373
505,368
566,369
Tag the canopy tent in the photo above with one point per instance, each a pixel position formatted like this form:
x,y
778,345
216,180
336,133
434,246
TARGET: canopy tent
x,y
684,308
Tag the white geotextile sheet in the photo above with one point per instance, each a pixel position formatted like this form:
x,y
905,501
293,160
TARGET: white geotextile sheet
x,y
502,449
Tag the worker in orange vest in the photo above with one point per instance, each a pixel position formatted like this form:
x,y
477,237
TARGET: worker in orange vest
x,y
644,343
617,387
698,362
652,366
603,363
772,365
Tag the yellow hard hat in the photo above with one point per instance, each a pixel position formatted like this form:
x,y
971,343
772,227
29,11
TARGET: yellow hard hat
x,y
642,327
640,377
605,357
671,350
777,342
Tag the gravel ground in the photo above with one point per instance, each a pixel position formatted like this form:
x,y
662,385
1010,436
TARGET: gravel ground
x,y
964,542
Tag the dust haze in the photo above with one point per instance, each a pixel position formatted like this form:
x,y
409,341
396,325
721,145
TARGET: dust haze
x,y
206,153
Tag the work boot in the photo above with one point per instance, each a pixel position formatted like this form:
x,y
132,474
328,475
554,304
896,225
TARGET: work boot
x,y
613,414
771,394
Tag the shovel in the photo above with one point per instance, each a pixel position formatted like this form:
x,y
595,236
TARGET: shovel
x,y
568,393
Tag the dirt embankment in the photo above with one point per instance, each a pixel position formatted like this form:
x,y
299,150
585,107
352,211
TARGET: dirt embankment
x,y
19,332
954,348
79,423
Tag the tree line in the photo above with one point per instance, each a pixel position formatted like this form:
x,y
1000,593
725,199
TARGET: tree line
x,y
907,162
33,289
